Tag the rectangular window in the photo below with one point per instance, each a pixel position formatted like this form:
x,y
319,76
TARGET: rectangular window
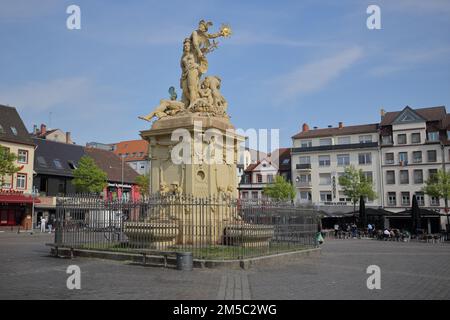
x,y
305,160
7,182
433,136
343,159
269,178
368,175
434,201
22,156
417,156
244,195
389,158
343,197
431,155
326,142
344,140
305,144
365,158
305,196
325,196
420,198
385,140
259,178
405,199
403,158
415,137
432,173
325,179
418,176
365,139
390,177
324,161
404,177
392,199
401,139
21,182
255,194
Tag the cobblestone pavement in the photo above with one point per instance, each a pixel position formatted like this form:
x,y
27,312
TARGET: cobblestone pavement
x,y
408,271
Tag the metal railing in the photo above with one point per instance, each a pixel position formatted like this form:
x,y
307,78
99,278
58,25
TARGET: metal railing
x,y
214,228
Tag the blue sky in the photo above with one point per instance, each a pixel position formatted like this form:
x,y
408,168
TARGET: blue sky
x,y
288,62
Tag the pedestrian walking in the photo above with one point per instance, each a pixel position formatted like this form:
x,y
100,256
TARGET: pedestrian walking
x,y
50,224
43,224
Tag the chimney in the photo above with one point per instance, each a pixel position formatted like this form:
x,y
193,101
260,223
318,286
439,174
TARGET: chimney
x,y
382,113
35,129
305,127
341,125
43,129
67,137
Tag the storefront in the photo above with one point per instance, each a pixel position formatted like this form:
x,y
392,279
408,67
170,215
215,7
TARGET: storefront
x,y
16,209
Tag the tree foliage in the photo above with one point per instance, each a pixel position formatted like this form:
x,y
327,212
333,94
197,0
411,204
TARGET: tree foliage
x,y
7,164
438,185
143,181
281,190
355,184
88,177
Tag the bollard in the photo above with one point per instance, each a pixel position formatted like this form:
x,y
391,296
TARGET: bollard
x,y
184,261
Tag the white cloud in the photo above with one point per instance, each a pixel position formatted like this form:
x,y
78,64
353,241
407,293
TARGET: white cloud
x,y
315,75
407,59
42,96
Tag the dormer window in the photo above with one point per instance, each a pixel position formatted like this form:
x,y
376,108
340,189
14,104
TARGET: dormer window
x,y
325,142
14,131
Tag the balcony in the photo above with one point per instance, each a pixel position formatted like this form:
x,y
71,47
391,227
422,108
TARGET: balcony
x,y
303,166
303,184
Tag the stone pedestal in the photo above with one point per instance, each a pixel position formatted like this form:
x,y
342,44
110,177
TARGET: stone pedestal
x,y
197,177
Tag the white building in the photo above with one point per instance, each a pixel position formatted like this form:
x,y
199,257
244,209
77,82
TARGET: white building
x,y
319,157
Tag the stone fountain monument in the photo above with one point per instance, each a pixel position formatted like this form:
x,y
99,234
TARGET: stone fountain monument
x,y
193,147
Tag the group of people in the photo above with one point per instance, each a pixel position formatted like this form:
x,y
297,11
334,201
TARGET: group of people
x,y
350,230
45,224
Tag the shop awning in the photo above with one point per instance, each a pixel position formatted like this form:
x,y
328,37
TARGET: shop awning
x,y
17,198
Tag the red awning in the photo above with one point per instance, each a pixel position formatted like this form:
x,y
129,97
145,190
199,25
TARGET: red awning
x,y
17,198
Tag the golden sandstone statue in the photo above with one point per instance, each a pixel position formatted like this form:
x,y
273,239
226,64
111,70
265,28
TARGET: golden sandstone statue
x,y
198,95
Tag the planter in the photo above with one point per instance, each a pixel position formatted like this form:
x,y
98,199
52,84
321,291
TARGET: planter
x,y
157,234
248,235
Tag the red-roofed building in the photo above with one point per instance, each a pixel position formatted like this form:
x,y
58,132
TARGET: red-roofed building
x,y
135,154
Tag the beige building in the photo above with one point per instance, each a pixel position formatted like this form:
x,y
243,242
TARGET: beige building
x,y
319,157
15,190
56,135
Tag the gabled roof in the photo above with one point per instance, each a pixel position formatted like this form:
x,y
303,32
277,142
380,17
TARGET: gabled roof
x,y
58,158
48,151
112,165
10,118
330,132
131,147
429,114
254,166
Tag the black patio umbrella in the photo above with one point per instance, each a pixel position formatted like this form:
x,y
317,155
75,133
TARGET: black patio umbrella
x,y
362,212
415,215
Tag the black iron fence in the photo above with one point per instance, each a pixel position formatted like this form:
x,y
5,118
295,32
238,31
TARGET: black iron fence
x,y
211,228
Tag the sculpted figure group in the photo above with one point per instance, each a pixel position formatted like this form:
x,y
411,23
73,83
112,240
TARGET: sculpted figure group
x,y
199,95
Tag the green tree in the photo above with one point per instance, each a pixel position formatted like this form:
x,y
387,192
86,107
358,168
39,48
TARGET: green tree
x,y
355,184
143,181
281,190
88,177
7,164
438,185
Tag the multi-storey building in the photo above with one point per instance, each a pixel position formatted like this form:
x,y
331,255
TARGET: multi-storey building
x,y
135,154
399,154
319,157
16,190
414,146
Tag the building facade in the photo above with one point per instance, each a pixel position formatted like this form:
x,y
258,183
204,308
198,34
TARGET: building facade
x,y
16,201
135,154
320,156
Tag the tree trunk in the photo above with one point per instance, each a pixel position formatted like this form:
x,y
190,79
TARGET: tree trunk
x,y
446,212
